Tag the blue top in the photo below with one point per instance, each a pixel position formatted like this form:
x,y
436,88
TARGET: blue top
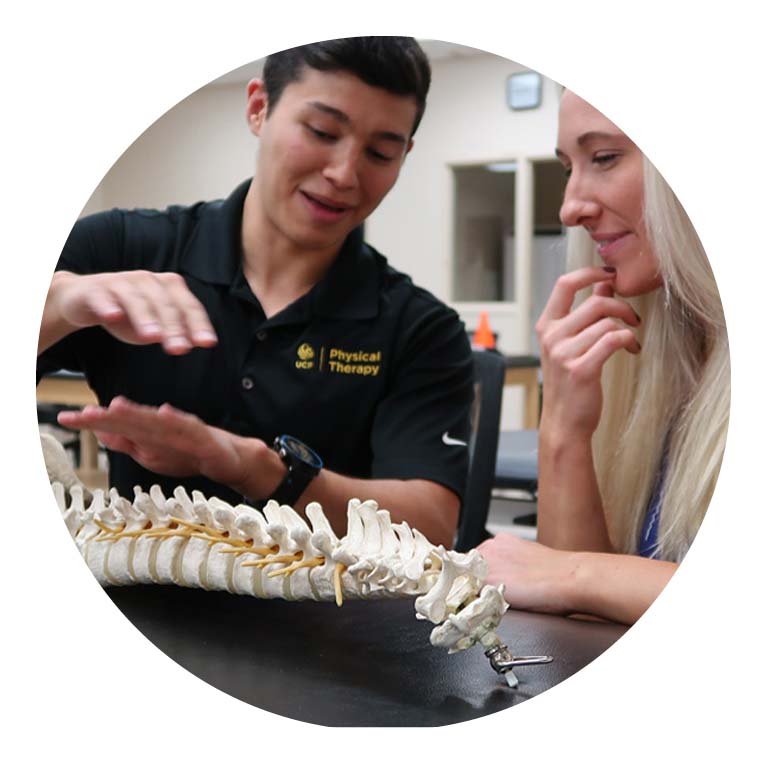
x,y
648,537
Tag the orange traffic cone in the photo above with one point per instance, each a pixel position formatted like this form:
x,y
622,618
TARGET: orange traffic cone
x,y
483,336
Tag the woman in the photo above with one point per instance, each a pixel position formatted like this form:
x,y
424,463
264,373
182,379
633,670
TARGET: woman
x,y
636,389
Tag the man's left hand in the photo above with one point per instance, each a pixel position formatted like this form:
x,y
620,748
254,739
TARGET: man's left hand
x,y
171,442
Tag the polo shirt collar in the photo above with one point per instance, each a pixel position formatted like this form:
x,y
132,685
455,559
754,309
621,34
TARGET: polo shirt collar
x,y
213,254
350,289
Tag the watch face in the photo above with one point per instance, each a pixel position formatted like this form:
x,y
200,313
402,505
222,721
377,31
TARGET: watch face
x,y
302,451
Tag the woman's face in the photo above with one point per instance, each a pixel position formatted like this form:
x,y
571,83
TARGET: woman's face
x,y
604,193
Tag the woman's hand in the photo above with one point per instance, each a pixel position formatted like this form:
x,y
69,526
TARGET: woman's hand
x,y
535,577
575,344
616,587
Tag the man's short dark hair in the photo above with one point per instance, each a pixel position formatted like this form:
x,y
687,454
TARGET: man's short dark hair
x,y
395,64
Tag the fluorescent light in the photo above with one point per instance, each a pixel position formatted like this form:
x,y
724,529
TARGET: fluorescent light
x,y
502,167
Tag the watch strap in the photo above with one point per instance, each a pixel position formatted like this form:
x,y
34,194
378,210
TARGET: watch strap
x,y
292,487
300,472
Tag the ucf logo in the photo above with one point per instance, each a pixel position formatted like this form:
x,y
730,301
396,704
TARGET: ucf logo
x,y
305,359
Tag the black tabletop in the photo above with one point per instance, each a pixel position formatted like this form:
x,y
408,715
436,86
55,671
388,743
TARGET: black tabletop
x,y
368,663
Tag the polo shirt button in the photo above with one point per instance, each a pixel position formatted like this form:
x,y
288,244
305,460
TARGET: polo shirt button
x,y
261,335
247,383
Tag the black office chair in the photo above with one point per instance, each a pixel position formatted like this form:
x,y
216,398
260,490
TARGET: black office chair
x,y
489,370
516,467
516,472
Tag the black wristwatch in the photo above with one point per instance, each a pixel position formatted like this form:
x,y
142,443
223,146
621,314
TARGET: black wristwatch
x,y
303,466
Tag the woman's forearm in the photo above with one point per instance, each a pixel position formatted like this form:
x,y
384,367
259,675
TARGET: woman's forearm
x,y
570,513
617,587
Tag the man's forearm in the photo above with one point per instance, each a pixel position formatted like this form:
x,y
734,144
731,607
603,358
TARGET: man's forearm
x,y
427,506
53,327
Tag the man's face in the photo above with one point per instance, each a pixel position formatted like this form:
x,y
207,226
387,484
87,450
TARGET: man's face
x,y
329,152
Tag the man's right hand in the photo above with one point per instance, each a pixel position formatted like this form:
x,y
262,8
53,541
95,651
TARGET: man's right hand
x,y
137,307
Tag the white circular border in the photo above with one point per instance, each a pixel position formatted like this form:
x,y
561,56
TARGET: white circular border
x,y
84,79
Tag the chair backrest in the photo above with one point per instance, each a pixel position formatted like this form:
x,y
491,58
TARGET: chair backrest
x,y
489,371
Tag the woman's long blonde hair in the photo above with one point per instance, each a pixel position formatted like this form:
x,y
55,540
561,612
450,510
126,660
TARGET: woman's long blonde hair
x,y
673,396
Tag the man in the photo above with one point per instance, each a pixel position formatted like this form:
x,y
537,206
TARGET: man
x,y
238,321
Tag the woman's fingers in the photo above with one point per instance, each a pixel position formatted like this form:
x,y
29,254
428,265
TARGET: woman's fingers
x,y
567,286
571,348
598,321
588,313
575,344
606,289
589,365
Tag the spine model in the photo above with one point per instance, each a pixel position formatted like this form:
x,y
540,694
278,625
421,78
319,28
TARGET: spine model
x,y
199,542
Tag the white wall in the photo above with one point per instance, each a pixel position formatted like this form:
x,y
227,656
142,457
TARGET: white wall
x,y
198,150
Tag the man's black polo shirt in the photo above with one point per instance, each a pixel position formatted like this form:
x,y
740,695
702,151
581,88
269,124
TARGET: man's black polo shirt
x,y
366,368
